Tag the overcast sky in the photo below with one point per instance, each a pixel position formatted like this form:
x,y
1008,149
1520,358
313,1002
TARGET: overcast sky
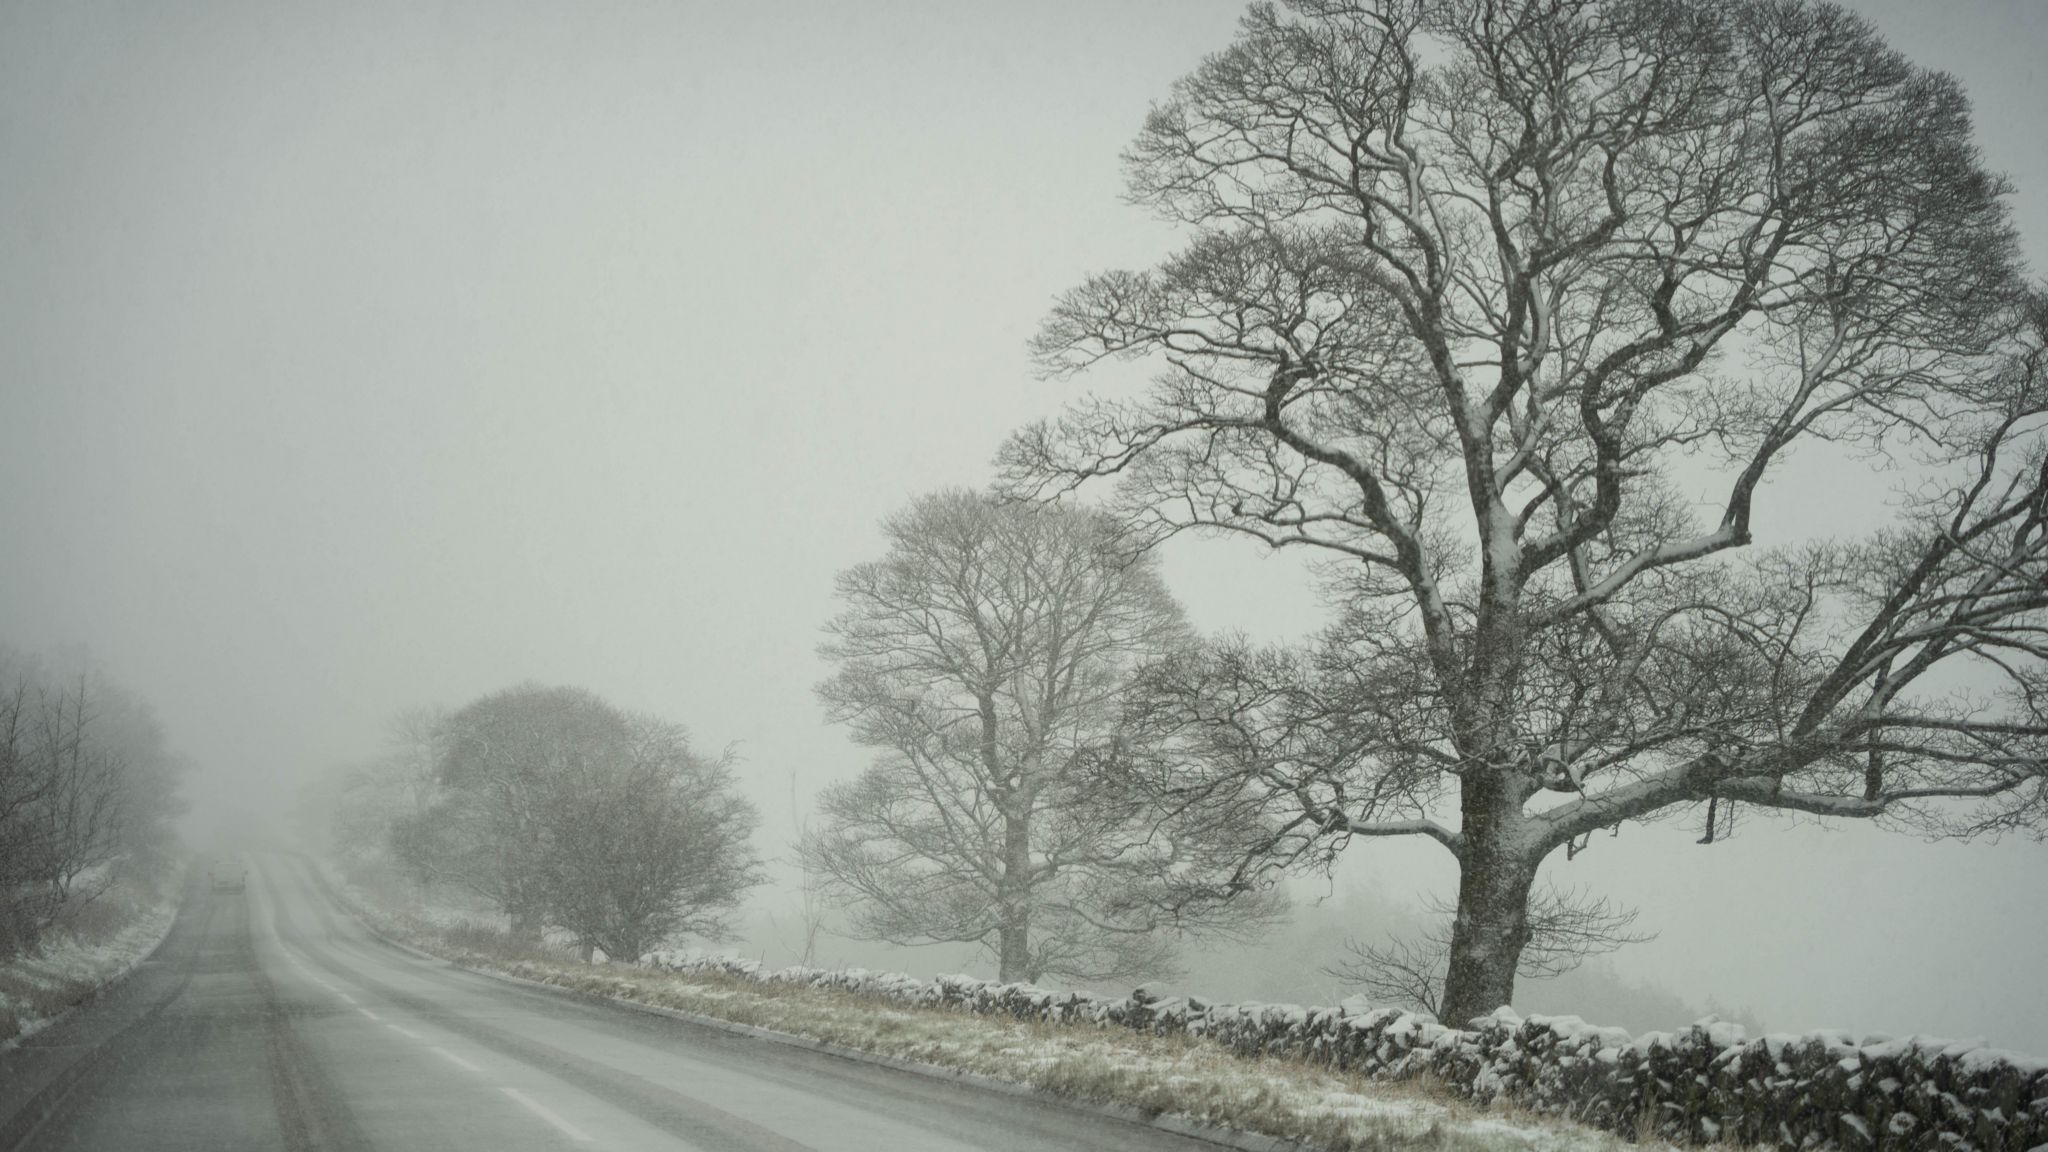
x,y
355,356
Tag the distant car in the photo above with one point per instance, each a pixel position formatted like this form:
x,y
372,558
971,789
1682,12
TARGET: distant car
x,y
229,880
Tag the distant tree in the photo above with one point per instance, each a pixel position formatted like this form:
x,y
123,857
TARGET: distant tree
x,y
499,759
812,907
359,808
353,808
985,657
86,788
414,743
1482,296
647,848
567,812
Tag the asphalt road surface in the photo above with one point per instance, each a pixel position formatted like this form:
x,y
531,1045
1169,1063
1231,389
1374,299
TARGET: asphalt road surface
x,y
271,1020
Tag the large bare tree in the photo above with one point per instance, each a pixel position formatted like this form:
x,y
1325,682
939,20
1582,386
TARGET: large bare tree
x,y
1483,299
985,657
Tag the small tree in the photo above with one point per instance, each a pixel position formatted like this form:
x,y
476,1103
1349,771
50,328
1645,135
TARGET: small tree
x,y
646,849
86,787
568,812
1481,296
499,759
985,657
361,808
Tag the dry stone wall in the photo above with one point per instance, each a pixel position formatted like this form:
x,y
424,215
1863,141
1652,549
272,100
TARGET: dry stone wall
x,y
1705,1084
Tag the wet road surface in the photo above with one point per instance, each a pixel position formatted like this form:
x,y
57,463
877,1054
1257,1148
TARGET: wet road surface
x,y
270,1019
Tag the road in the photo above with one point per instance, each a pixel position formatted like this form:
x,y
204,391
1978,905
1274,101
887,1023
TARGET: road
x,y
270,1019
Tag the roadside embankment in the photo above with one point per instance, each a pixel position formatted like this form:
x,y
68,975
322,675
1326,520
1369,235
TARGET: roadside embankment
x,y
91,947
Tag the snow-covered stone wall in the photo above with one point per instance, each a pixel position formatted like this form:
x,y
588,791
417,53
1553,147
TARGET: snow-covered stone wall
x,y
1707,1083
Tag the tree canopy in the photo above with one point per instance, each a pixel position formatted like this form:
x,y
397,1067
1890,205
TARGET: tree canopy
x,y
569,813
1482,302
985,658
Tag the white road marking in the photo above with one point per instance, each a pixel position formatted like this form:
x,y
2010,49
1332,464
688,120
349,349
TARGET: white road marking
x,y
458,1061
535,1107
405,1032
529,1103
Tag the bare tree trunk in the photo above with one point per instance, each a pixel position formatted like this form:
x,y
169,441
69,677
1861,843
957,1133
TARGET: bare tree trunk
x,y
1013,931
1495,875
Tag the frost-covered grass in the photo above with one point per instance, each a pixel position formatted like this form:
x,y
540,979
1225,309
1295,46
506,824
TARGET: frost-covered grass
x,y
92,947
1156,1075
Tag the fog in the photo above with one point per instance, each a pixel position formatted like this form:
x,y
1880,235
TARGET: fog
x,y
355,357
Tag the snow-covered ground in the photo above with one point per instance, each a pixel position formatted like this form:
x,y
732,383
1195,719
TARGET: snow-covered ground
x,y
73,965
1197,1080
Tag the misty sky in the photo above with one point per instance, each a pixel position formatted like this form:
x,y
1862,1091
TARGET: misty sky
x,y
355,356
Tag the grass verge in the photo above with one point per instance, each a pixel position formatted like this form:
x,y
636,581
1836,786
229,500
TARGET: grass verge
x,y
89,950
1194,1080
